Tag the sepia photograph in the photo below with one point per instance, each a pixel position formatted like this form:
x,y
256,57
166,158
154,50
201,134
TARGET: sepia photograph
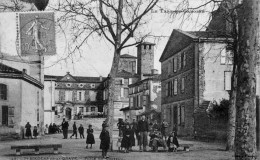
x,y
129,79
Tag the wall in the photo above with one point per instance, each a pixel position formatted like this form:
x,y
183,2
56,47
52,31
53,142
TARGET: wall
x,y
126,64
49,101
145,58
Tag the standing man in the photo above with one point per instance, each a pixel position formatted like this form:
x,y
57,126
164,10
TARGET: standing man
x,y
74,131
65,126
143,129
135,129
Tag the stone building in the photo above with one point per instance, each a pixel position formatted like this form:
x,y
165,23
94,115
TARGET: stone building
x,y
196,69
144,98
21,99
72,97
126,75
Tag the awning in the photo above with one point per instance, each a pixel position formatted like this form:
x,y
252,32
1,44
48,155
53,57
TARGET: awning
x,y
125,109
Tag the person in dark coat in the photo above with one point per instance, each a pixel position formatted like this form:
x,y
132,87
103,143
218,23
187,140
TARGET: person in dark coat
x,y
143,129
54,128
172,142
81,131
120,125
50,128
126,138
90,136
28,132
64,127
74,127
105,141
132,137
35,132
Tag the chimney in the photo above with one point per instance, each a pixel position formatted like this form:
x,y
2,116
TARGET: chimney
x,y
100,78
25,71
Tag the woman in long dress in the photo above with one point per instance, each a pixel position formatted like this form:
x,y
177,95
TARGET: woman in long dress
x,y
90,136
28,132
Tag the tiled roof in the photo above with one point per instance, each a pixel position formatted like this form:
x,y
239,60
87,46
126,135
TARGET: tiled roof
x,y
6,69
78,78
209,34
127,56
125,74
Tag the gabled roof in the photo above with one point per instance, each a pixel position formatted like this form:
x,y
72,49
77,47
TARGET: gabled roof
x,y
181,39
6,69
127,56
12,73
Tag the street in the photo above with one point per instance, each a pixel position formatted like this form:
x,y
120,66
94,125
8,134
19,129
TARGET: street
x,y
75,149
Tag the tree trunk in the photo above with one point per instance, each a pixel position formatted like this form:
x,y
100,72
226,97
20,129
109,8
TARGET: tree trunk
x,y
113,72
245,140
111,97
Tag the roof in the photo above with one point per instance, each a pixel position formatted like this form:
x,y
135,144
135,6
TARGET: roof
x,y
9,72
143,43
153,78
181,39
77,78
149,112
127,56
125,74
125,109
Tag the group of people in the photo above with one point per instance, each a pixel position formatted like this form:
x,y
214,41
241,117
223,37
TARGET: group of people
x,y
141,129
52,129
28,131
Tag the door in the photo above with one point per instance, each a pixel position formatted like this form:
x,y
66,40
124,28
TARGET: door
x,y
68,113
5,115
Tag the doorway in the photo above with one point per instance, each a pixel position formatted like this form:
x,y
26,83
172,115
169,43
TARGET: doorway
x,y
68,113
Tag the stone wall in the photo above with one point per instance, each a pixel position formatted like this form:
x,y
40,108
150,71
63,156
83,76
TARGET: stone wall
x,y
145,59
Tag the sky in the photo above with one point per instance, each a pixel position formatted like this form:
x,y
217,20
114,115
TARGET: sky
x,y
96,56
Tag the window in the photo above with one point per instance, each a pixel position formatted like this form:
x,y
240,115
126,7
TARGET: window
x,y
150,46
130,81
10,116
144,100
93,109
68,84
126,92
126,81
81,110
3,92
145,85
133,66
182,84
175,64
92,85
227,80
226,56
131,100
181,115
122,92
68,95
175,86
167,89
183,59
80,95
169,66
38,115
179,61
38,98
139,100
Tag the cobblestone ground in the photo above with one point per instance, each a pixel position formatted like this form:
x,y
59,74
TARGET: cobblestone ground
x,y
73,149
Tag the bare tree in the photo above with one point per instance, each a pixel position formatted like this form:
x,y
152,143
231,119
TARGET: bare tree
x,y
116,21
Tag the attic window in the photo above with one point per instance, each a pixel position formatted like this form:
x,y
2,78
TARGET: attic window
x,y
92,85
68,84
81,85
68,77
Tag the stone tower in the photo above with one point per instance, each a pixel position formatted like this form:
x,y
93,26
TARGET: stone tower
x,y
145,58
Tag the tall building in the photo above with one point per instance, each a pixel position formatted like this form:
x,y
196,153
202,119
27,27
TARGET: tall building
x,y
196,69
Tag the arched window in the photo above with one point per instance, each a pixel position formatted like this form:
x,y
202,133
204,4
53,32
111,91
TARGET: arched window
x,y
3,92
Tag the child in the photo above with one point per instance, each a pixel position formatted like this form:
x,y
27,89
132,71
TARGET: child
x,y
119,143
81,131
105,141
35,132
172,142
90,136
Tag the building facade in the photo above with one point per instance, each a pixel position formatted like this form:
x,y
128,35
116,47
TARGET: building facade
x,y
20,102
196,69
72,97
